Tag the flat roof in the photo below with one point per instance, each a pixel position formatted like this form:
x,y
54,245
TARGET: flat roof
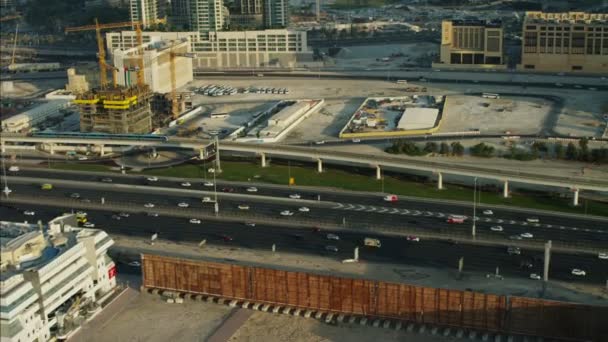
x,y
418,118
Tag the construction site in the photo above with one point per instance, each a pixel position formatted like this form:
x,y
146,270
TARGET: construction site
x,y
126,106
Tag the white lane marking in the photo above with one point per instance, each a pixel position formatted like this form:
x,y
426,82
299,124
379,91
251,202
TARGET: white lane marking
x,y
395,211
339,206
499,221
440,215
428,213
383,210
512,222
416,213
349,207
360,207
405,212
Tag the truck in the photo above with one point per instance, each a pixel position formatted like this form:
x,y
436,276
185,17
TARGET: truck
x,y
371,242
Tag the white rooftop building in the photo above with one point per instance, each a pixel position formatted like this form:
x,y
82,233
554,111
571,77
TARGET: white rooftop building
x,y
418,118
27,120
47,274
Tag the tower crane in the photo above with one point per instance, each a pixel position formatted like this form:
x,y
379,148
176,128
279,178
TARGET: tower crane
x,y
103,66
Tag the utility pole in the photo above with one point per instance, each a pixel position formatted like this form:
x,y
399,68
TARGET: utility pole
x,y
474,228
218,167
547,261
6,190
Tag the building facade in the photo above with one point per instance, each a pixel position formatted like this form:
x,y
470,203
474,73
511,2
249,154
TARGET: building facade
x,y
565,42
471,44
157,59
276,13
144,11
34,117
46,269
231,49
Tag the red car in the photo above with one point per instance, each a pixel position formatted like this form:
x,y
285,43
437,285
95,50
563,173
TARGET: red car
x,y
413,238
227,238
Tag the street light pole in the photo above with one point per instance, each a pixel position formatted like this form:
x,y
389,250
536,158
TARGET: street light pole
x,y
474,228
216,205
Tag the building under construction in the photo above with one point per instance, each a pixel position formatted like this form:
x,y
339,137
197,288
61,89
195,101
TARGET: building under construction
x,y
116,110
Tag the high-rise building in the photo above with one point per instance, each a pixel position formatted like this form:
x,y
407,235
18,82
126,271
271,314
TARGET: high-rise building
x,y
249,6
565,42
276,13
145,11
471,44
206,16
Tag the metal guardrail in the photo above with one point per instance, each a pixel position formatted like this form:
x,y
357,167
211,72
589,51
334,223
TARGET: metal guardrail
x,y
334,224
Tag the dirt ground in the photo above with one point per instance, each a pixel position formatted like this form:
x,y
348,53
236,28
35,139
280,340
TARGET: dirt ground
x,y
269,327
149,319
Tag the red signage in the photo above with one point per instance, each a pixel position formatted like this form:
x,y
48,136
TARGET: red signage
x,y
112,272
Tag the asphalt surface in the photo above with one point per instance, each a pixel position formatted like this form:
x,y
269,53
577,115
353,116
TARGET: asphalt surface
x,y
308,241
356,210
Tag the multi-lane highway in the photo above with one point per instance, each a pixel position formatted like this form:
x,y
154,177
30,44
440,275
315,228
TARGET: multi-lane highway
x,y
310,241
352,210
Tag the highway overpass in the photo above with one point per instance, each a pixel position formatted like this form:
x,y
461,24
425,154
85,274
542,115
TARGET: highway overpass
x,y
321,156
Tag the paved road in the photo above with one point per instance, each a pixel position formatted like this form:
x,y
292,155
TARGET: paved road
x,y
307,241
363,210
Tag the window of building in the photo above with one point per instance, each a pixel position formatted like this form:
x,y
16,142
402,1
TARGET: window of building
x,y
577,68
531,27
529,66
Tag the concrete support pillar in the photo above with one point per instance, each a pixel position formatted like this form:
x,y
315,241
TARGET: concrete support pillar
x,y
378,172
319,165
263,155
201,154
102,150
505,189
439,181
3,147
547,260
575,197
52,148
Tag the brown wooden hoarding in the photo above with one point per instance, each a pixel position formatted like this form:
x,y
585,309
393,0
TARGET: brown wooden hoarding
x,y
373,298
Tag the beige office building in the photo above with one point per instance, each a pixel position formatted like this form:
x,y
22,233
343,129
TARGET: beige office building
x,y
565,42
281,48
471,44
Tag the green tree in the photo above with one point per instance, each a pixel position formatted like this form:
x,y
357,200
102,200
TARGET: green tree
x,y
444,149
559,151
457,149
599,155
431,147
571,152
584,154
540,146
482,150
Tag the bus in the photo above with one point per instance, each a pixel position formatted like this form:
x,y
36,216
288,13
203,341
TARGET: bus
x,y
490,96
219,115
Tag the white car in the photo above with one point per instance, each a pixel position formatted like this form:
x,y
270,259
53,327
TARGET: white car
x,y
286,213
134,264
153,214
83,158
535,276
195,221
250,224
356,140
149,205
243,207
603,256
252,189
496,228
488,212
152,179
333,237
295,196
208,184
124,214
526,235
29,213
207,199
578,272
532,220
89,225
186,184
183,205
304,209
13,168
